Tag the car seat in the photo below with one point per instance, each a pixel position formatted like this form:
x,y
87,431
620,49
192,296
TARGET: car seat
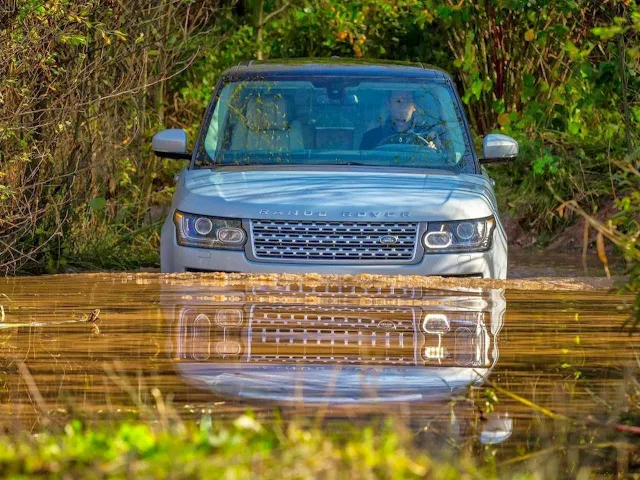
x,y
267,127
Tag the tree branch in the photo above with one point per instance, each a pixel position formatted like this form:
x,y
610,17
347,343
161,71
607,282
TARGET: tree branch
x,y
274,13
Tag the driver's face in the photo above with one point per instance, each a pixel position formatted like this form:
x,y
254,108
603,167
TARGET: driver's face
x,y
401,106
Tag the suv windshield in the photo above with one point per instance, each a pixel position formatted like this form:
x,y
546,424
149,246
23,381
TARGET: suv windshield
x,y
325,120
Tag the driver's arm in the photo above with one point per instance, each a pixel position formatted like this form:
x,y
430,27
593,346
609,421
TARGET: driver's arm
x,y
436,135
435,139
443,139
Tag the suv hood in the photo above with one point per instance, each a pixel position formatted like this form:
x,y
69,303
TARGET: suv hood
x,y
334,194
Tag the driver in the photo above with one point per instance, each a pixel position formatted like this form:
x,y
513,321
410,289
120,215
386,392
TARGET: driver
x,y
401,121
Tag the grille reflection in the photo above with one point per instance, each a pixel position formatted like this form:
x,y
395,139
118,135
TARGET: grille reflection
x,y
340,345
335,335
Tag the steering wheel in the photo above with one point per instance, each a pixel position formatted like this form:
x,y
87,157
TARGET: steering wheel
x,y
391,140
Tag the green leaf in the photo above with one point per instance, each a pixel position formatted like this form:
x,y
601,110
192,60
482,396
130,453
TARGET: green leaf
x,y
574,128
476,88
607,33
97,204
74,39
545,163
444,12
571,49
528,87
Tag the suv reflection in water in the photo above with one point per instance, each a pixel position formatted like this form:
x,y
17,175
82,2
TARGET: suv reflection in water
x,y
301,346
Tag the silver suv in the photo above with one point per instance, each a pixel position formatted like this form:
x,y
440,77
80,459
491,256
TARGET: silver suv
x,y
335,167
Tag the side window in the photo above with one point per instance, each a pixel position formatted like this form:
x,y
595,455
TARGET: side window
x,y
214,138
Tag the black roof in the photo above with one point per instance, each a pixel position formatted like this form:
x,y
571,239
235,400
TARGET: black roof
x,y
334,66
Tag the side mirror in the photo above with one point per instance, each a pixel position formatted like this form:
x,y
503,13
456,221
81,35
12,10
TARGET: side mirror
x,y
497,148
171,143
497,428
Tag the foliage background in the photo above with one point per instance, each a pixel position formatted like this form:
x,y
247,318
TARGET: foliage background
x,y
84,84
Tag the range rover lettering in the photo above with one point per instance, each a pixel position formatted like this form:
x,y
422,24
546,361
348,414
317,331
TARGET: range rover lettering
x,y
335,167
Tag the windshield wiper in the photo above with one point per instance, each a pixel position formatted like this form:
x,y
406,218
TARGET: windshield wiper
x,y
350,163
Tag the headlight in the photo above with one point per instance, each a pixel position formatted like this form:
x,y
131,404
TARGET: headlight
x,y
209,232
462,236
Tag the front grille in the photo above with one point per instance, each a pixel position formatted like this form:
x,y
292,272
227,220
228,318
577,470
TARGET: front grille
x,y
332,334
298,240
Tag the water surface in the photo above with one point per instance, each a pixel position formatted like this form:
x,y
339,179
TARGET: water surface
x,y
518,372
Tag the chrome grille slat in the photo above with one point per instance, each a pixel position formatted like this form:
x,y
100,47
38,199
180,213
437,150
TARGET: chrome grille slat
x,y
304,240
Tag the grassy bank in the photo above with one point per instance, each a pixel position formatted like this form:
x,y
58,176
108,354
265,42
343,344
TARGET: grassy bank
x,y
240,449
244,448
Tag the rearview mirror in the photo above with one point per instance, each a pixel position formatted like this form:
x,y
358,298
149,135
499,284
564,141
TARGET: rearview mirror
x,y
171,143
497,148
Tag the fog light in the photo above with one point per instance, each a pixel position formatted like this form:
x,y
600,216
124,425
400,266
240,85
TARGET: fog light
x,y
229,317
435,353
435,323
203,226
231,235
438,239
497,428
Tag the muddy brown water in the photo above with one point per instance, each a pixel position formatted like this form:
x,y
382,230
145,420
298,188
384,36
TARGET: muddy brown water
x,y
519,371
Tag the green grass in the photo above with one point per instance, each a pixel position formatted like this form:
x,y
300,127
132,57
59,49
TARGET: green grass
x,y
242,448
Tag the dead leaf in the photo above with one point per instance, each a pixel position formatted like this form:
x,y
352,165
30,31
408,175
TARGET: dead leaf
x,y
602,255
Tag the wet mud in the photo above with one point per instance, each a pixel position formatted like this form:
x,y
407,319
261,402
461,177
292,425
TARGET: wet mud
x,y
521,371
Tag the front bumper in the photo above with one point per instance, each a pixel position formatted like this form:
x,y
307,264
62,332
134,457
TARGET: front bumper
x,y
333,384
178,259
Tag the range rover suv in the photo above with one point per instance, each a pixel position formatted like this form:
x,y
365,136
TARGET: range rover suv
x,y
331,166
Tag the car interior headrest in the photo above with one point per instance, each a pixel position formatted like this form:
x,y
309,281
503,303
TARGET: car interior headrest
x,y
267,112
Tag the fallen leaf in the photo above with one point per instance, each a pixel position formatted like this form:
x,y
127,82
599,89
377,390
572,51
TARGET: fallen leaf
x,y
602,255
